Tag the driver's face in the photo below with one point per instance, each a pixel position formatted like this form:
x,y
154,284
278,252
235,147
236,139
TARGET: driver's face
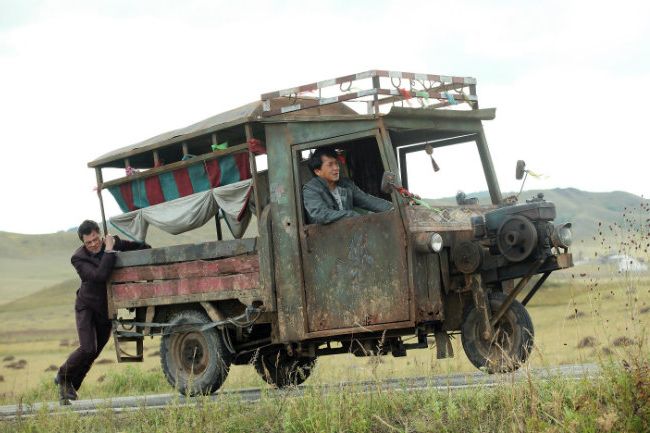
x,y
329,171
92,242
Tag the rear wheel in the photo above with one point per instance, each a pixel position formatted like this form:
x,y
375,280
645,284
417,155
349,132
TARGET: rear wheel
x,y
511,343
194,362
282,370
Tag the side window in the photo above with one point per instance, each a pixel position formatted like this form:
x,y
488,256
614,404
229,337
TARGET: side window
x,y
359,161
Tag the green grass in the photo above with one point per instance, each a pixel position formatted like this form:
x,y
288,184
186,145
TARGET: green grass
x,y
617,401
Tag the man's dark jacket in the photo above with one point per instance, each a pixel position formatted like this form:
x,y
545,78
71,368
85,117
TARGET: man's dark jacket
x,y
321,207
94,270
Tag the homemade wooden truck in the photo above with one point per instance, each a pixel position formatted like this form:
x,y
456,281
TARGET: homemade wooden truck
x,y
295,291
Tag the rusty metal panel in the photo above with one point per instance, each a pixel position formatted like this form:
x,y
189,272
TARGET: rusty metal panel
x,y
302,132
199,268
286,245
184,286
356,272
442,218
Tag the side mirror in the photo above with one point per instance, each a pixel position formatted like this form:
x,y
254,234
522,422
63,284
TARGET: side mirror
x,y
521,168
388,182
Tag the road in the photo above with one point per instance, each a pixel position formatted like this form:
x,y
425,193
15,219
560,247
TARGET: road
x,y
442,382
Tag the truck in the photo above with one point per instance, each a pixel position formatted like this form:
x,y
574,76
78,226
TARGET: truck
x,y
376,284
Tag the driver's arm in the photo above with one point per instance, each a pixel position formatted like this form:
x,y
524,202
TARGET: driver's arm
x,y
367,201
317,210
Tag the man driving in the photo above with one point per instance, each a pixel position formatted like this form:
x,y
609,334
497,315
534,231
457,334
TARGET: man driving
x,y
328,198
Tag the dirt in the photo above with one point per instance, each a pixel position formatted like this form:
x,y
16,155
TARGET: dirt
x,y
104,361
52,367
17,365
8,358
588,342
577,314
623,341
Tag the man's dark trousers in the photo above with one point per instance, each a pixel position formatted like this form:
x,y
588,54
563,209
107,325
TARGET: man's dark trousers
x,y
91,309
94,330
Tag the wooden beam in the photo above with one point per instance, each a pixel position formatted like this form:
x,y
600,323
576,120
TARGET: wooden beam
x,y
100,180
176,165
185,286
187,252
193,269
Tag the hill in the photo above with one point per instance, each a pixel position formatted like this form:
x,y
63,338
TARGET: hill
x,y
29,263
582,208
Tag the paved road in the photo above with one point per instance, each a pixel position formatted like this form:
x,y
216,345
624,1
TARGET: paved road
x,y
444,382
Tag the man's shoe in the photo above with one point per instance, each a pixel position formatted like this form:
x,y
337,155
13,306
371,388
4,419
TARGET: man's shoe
x,y
66,391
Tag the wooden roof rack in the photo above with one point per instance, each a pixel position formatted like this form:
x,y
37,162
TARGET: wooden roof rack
x,y
377,88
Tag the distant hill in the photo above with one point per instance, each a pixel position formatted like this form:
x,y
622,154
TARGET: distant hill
x,y
29,263
582,208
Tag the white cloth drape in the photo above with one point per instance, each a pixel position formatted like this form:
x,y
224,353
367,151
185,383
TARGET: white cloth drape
x,y
187,213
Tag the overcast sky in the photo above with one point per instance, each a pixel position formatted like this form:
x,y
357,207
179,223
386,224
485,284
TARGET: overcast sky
x,y
570,81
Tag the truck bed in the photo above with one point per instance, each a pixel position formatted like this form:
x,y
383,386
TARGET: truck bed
x,y
209,271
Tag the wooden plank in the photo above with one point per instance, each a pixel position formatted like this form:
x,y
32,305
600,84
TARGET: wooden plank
x,y
177,165
187,252
184,286
193,269
246,296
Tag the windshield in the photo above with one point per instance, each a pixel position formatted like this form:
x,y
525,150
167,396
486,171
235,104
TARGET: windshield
x,y
460,170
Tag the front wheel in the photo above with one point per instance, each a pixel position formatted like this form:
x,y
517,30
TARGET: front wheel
x,y
194,362
511,343
282,370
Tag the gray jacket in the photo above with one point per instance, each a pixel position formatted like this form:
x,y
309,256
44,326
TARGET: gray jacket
x,y
321,207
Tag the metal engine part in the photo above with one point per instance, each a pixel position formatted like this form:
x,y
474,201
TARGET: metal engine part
x,y
467,256
516,238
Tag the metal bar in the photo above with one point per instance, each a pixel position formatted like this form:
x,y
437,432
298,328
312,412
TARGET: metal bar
x,y
488,167
437,143
537,285
512,295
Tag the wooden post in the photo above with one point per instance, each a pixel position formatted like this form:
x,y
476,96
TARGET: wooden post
x,y
156,158
216,217
248,129
185,150
100,181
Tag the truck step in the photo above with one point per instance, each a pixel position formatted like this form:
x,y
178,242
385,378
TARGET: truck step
x,y
121,338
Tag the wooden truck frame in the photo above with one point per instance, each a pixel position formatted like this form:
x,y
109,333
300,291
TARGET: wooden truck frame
x,y
298,291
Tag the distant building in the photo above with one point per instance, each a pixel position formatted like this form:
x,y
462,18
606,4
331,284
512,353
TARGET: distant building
x,y
625,263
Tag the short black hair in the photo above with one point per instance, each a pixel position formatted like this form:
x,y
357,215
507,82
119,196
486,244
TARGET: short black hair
x,y
316,162
86,228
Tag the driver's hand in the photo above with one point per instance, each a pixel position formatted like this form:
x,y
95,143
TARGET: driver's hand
x,y
109,241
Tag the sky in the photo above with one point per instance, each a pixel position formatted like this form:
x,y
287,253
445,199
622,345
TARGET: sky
x,y
80,78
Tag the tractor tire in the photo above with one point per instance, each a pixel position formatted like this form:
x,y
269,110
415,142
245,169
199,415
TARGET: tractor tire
x,y
194,362
281,370
511,344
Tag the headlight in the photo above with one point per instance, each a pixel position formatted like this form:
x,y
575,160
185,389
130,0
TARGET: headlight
x,y
562,236
435,242
427,243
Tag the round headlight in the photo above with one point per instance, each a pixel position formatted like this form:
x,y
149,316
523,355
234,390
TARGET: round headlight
x,y
562,236
435,242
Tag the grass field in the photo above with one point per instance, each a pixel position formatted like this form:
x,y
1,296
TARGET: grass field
x,y
604,315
